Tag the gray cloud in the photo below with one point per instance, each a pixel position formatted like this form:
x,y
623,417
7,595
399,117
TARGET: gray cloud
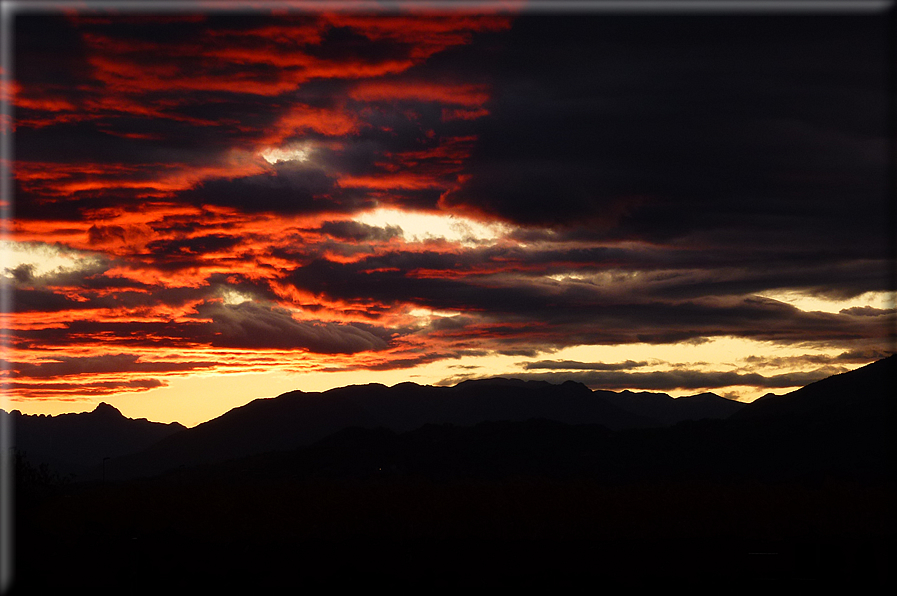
x,y
358,232
680,379
249,325
574,365
856,356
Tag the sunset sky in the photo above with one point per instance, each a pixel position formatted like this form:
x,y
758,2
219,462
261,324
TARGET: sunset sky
x,y
213,206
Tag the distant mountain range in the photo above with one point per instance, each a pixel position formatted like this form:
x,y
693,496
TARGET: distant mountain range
x,y
77,443
840,428
425,486
840,419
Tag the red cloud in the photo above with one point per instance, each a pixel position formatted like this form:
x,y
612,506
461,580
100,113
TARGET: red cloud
x,y
302,118
448,115
458,94
237,90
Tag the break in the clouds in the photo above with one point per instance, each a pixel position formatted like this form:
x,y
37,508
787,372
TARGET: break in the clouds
x,y
215,191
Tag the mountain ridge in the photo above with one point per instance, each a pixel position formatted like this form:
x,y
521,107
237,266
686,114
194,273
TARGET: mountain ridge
x,y
792,487
296,418
72,443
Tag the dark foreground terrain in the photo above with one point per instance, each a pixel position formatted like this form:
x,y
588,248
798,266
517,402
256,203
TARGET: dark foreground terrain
x,y
795,490
170,535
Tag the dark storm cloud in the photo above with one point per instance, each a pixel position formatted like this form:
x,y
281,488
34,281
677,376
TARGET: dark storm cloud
x,y
662,274
52,291
47,300
752,123
42,301
451,323
292,189
869,311
104,140
577,313
835,279
49,51
32,204
359,232
23,273
194,246
364,281
248,325
61,366
130,334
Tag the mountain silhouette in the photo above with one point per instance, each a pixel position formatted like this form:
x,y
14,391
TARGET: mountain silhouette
x,y
297,418
809,433
794,488
667,410
839,422
74,443
862,395
840,425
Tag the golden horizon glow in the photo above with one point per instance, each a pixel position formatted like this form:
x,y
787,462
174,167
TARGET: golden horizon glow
x,y
186,398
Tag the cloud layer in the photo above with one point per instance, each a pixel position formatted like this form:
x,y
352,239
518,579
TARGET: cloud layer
x,y
190,189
